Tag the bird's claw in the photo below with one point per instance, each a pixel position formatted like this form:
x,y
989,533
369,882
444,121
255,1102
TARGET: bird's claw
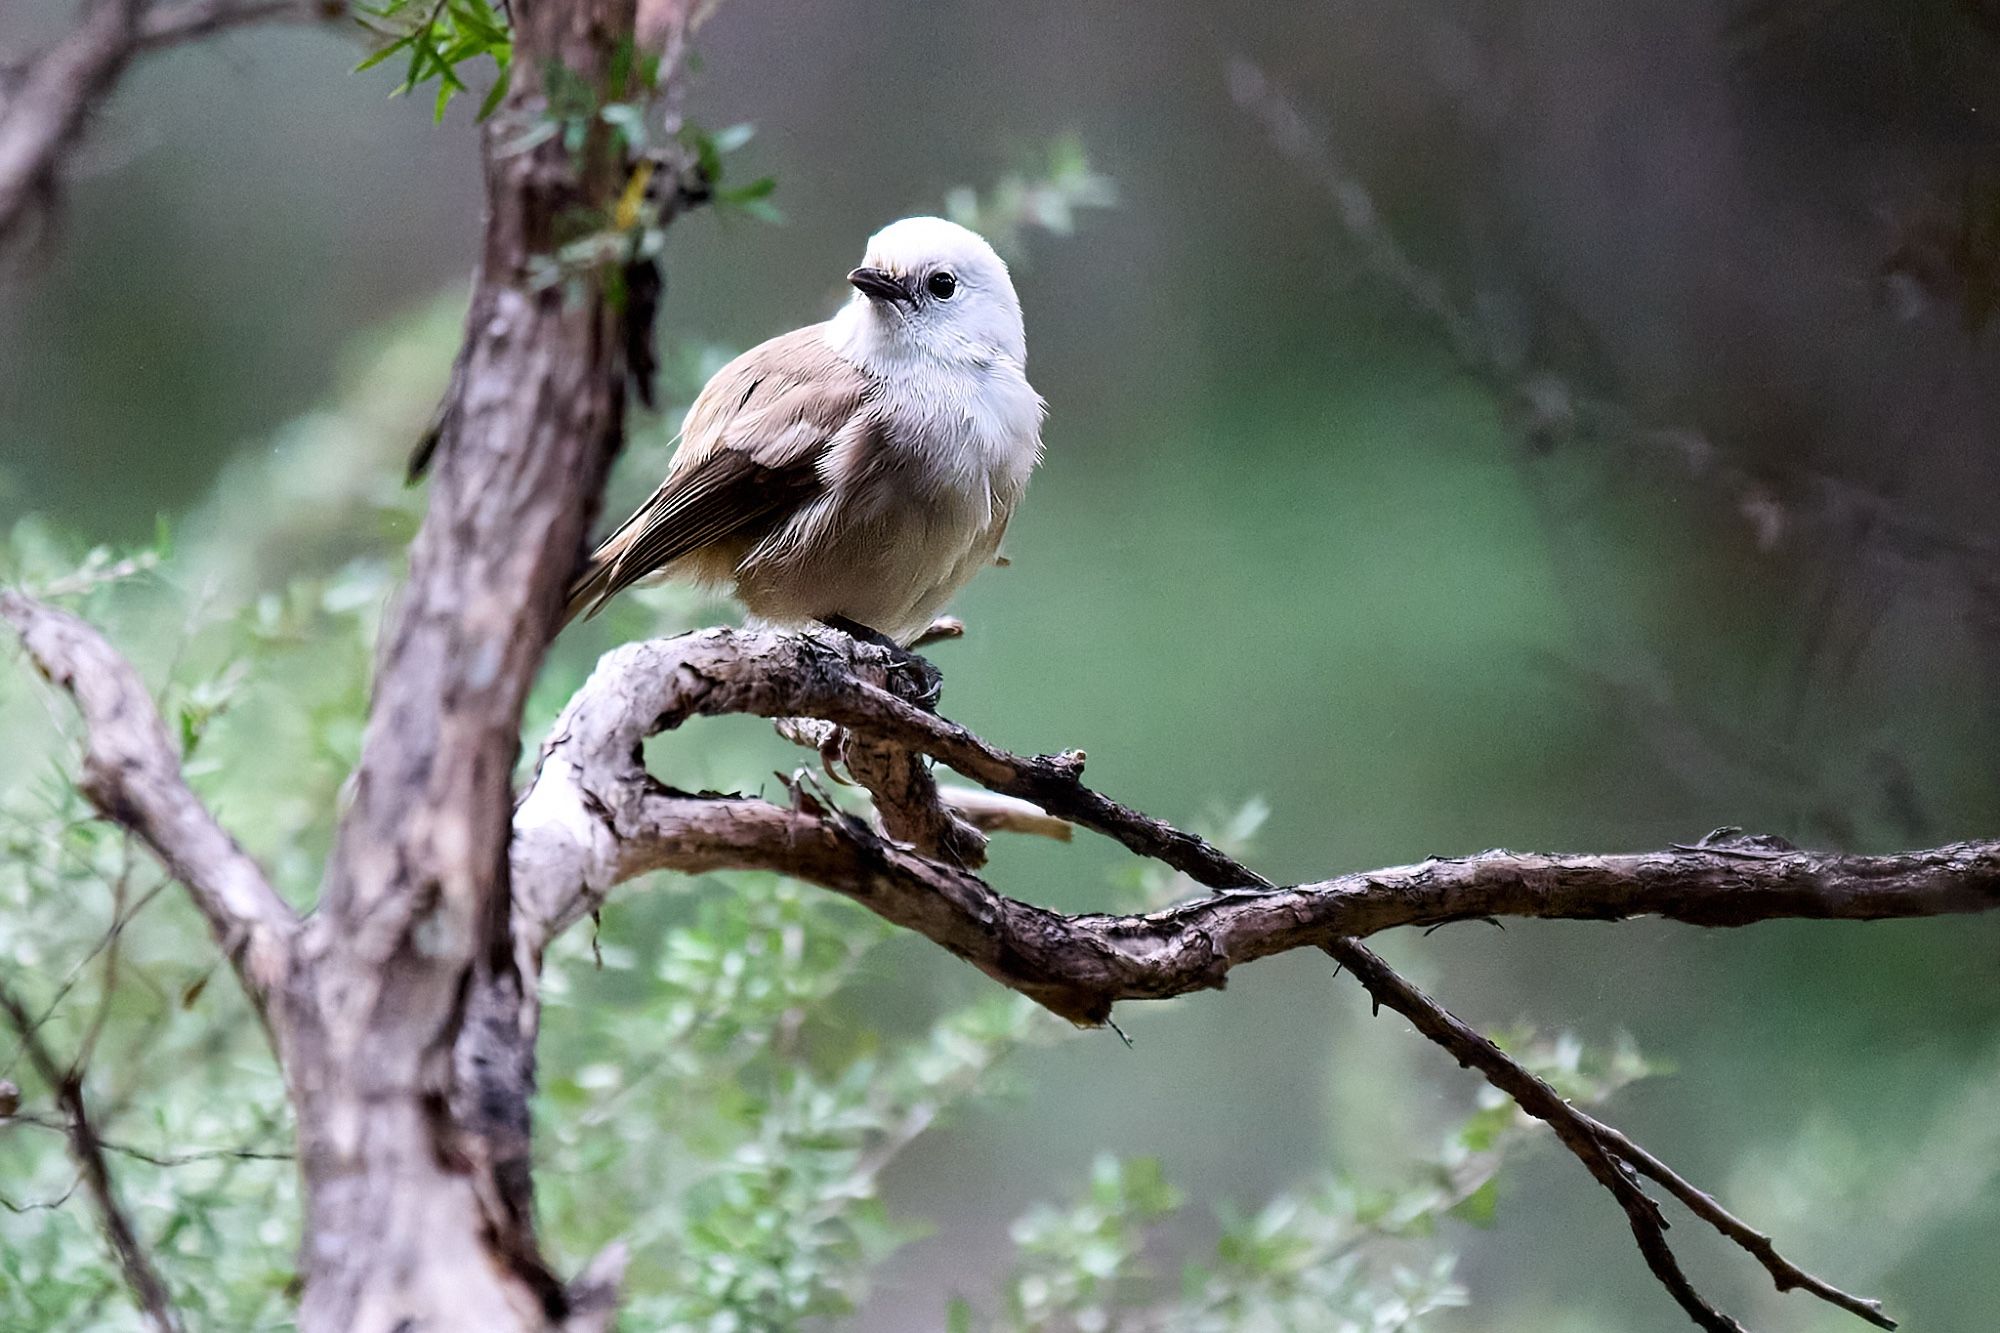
x,y
915,679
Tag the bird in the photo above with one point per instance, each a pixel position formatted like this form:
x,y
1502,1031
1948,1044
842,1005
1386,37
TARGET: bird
x,y
856,472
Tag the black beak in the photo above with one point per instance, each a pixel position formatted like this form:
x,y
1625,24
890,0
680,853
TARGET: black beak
x,y
879,285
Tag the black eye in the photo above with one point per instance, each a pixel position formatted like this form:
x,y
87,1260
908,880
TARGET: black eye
x,y
941,285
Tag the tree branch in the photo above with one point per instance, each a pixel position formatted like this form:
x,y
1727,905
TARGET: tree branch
x,y
593,817
149,1289
907,801
1784,1273
51,98
132,776
46,107
1549,406
1534,1095
191,20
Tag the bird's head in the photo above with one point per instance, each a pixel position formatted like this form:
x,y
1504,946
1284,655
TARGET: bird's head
x,y
931,289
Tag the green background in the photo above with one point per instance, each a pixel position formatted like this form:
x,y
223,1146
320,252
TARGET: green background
x,y
1284,547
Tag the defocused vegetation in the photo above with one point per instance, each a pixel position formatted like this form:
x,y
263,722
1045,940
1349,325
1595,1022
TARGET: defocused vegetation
x,y
1702,533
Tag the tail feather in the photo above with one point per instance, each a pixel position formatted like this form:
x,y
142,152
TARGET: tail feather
x,y
594,586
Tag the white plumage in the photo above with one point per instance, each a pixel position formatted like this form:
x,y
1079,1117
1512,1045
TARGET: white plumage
x,y
860,469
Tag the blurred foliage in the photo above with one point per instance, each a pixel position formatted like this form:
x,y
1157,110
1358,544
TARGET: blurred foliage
x,y
1045,195
1705,538
1321,1261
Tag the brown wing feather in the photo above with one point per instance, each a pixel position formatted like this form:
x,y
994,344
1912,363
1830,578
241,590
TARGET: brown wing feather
x,y
749,458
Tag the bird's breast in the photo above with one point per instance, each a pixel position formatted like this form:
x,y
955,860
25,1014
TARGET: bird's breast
x,y
975,430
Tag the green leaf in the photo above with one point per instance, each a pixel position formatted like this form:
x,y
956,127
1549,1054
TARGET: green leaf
x,y
728,140
743,194
494,95
374,58
531,138
1483,1128
1480,1206
629,121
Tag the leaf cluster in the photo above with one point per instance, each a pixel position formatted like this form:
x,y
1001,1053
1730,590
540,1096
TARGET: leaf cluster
x,y
438,38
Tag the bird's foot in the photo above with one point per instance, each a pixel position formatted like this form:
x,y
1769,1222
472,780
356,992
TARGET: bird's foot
x,y
916,679
942,629
910,677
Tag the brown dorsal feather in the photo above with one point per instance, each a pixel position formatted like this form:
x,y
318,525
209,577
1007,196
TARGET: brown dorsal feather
x,y
749,458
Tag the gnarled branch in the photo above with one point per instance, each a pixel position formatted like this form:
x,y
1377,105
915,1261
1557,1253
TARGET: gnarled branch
x,y
594,817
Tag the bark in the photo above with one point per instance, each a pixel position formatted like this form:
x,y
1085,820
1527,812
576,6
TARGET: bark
x,y
411,1053
593,818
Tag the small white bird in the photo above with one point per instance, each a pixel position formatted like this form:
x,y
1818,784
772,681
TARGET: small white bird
x,y
856,472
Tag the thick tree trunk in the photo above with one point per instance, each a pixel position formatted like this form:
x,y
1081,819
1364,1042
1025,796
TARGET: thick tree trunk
x,y
412,1119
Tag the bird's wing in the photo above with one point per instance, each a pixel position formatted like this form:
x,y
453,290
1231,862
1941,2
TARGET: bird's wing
x,y
749,456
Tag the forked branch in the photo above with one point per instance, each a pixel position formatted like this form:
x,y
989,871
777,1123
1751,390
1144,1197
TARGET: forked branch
x,y
593,817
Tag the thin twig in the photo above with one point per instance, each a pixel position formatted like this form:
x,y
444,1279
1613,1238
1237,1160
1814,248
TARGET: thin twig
x,y
78,968
42,1205
1535,1096
1784,1273
108,988
149,1289
166,1160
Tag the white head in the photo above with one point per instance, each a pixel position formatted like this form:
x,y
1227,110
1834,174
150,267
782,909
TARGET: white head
x,y
930,290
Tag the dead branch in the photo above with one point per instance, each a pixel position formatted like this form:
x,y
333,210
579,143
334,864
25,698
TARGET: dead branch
x,y
1784,1273
132,775
990,812
149,1289
593,817
1534,1095
910,807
